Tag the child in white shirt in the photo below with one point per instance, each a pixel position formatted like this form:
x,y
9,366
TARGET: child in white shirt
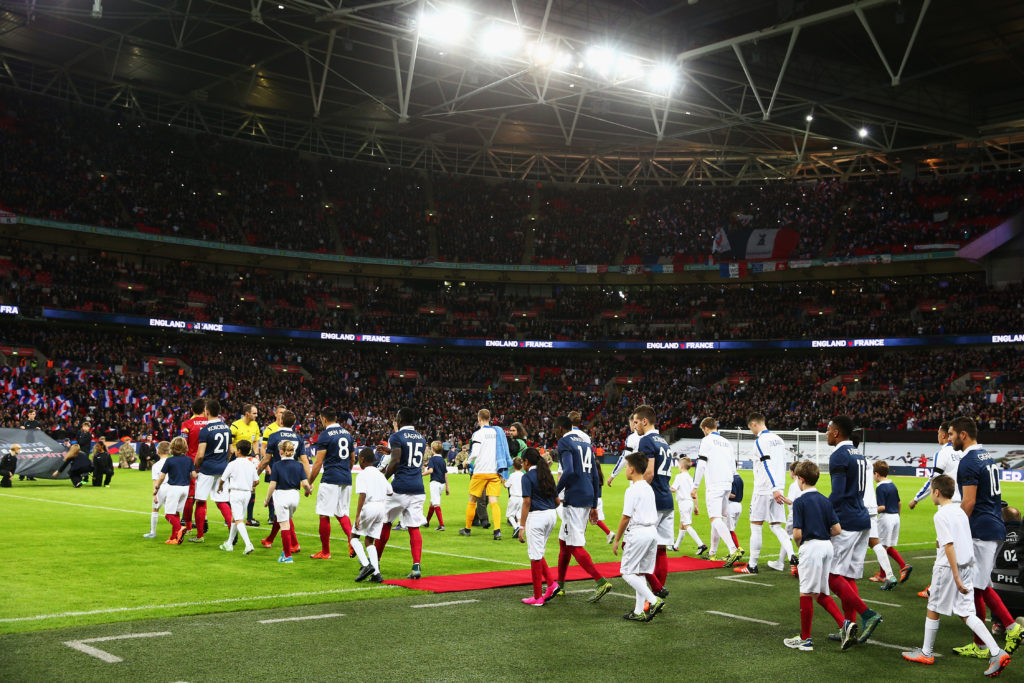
x,y
682,485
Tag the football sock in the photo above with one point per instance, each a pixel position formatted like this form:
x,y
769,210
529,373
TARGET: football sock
x,y
385,534
858,604
495,511
244,533
415,543
190,503
232,533
782,554
537,574
979,610
735,540
643,593
656,585
346,526
895,554
271,512
249,508
852,604
325,535
693,534
661,564
583,559
978,626
225,511
470,513
718,526
931,629
153,519
175,524
430,513
831,607
806,616
361,553
440,519
756,540
714,540
200,517
286,541
371,552
274,528
996,606
780,533
679,537
549,575
563,561
883,560
602,526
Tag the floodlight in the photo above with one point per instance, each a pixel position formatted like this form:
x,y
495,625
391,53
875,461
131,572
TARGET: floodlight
x,y
499,40
601,60
627,68
446,25
863,132
810,117
662,78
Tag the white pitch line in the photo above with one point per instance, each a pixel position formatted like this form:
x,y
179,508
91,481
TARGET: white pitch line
x,y
587,590
879,602
80,505
112,610
739,580
305,618
736,616
872,641
443,604
81,646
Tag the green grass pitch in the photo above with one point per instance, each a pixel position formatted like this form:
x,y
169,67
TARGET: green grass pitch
x,y
77,568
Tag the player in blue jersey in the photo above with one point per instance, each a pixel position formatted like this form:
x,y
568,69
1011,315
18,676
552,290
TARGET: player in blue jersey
x,y
659,476
177,474
437,469
407,448
285,481
577,489
849,473
272,456
335,451
211,461
980,482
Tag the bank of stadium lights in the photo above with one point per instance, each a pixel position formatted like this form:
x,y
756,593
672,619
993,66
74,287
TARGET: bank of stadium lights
x,y
446,25
501,40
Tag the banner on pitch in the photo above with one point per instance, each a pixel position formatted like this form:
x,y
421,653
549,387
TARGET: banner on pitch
x,y
40,455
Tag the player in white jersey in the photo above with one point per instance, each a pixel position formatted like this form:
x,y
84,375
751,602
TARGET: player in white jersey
x,y
514,507
946,461
682,486
715,458
766,502
792,493
163,450
632,442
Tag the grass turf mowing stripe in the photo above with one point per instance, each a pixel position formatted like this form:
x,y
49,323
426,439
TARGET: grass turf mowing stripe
x,y
305,618
112,610
81,645
443,604
741,618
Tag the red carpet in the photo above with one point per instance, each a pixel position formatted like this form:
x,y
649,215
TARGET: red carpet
x,y
520,577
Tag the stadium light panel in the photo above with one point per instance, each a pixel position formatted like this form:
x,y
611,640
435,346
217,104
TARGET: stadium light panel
x,y
601,60
662,79
863,132
500,40
627,68
447,25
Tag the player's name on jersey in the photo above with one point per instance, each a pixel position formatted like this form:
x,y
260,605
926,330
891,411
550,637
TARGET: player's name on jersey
x,y
185,325
9,310
834,343
1007,338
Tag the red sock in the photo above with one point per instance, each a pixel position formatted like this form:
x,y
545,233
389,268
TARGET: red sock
x,y
653,582
537,573
979,609
286,542
661,564
274,528
225,511
831,607
549,576
852,604
734,539
385,534
415,543
996,606
583,559
806,616
430,513
563,561
858,604
189,504
603,527
325,535
440,519
175,524
200,517
894,554
346,526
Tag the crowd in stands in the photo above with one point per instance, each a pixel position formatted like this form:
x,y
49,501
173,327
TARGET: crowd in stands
x,y
109,168
105,375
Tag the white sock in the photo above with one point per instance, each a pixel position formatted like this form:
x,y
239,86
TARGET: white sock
x,y
756,541
978,626
232,534
371,550
244,533
723,533
153,519
361,553
693,534
787,545
642,590
883,560
714,539
679,537
931,629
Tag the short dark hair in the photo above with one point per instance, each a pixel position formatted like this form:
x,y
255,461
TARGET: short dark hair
x,y
247,407
638,461
244,448
792,466
213,407
964,424
562,424
881,468
406,416
328,414
945,485
844,425
645,412
807,471
517,463
709,423
944,427
287,418
756,417
198,406
366,455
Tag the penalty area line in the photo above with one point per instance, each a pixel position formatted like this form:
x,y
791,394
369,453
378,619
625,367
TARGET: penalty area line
x,y
82,645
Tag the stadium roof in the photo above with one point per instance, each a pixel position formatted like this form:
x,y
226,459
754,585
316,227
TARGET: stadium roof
x,y
765,88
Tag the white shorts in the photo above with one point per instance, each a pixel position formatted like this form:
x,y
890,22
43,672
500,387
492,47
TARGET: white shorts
x,y
574,526
889,530
666,527
685,511
514,508
943,596
409,506
539,526
558,511
371,520
732,515
161,496
717,502
873,529
984,561
220,496
763,508
174,499
332,500
640,550
205,485
285,504
239,503
436,491
815,564
848,557
600,509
